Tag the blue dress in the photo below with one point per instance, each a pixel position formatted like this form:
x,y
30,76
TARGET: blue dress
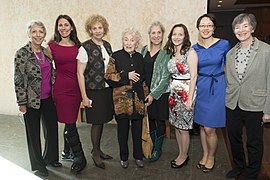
x,y
209,108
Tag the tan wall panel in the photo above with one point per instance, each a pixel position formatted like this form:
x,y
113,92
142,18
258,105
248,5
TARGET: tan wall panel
x,y
14,15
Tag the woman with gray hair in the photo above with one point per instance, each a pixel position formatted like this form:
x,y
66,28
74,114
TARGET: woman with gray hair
x,y
157,78
33,80
125,73
247,96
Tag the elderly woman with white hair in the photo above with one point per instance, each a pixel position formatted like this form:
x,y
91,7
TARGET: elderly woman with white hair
x,y
33,79
125,73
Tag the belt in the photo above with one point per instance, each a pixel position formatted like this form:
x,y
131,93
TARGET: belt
x,y
213,79
180,79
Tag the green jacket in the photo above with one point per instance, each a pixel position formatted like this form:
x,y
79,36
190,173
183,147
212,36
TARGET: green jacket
x,y
161,75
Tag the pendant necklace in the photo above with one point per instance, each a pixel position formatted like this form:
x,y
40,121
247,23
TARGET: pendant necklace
x,y
42,60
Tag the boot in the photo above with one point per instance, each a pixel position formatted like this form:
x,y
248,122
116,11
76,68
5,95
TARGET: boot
x,y
153,136
79,161
157,148
67,153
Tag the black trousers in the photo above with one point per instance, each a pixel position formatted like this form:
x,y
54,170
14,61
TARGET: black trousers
x,y
123,126
47,115
236,119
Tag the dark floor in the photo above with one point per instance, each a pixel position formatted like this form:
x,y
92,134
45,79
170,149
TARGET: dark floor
x,y
13,148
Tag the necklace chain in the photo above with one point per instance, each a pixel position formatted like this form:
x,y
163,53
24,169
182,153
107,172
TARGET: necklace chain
x,y
42,60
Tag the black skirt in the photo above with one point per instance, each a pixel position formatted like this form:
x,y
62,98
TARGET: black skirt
x,y
159,109
102,106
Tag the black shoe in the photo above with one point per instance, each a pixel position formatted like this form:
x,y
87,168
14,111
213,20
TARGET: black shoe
x,y
78,165
67,156
173,162
103,156
43,173
234,172
124,164
208,170
200,166
180,165
139,163
55,164
99,165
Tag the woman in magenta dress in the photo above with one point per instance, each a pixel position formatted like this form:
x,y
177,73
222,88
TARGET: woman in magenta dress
x,y
64,49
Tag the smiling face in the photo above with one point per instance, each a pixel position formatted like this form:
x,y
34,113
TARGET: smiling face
x,y
156,35
178,36
64,27
37,35
206,28
129,43
97,31
243,31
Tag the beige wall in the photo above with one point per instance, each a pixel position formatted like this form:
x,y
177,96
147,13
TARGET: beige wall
x,y
120,14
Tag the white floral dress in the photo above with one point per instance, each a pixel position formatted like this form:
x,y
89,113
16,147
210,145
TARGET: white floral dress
x,y
179,116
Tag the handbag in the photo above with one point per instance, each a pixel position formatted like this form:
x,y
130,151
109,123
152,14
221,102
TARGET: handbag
x,y
147,144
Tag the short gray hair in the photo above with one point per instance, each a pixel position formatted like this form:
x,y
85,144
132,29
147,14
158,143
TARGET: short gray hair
x,y
136,34
156,23
31,23
244,16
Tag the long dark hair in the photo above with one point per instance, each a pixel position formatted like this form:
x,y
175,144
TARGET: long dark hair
x,y
73,35
169,46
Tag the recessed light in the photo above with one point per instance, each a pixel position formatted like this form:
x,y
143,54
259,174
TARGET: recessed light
x,y
219,1
219,5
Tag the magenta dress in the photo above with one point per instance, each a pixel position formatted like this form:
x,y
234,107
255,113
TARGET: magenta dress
x,y
67,96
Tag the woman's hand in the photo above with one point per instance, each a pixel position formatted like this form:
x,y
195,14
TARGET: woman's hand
x,y
148,100
266,118
22,109
133,76
189,105
87,102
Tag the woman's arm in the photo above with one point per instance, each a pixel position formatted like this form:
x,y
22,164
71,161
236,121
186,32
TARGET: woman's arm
x,y
80,74
193,69
20,81
82,58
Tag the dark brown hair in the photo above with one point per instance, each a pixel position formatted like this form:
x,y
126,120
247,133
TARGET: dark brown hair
x,y
169,46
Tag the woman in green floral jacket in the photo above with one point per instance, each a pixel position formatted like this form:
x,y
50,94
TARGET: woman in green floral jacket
x,y
157,79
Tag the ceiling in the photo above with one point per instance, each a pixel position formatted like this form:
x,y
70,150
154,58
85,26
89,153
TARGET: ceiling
x,y
233,5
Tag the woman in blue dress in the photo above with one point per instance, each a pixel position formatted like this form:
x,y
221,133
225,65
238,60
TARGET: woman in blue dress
x,y
209,110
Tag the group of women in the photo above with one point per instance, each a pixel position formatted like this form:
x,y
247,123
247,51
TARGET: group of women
x,y
180,83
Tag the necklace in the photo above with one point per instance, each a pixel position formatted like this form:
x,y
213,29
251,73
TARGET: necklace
x,y
241,59
42,60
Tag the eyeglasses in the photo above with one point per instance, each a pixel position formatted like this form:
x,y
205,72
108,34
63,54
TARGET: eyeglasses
x,y
206,26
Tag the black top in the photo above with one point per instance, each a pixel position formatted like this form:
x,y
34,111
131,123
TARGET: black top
x,y
149,66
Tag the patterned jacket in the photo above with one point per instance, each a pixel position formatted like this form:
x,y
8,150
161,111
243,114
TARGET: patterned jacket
x,y
160,83
27,77
95,68
128,96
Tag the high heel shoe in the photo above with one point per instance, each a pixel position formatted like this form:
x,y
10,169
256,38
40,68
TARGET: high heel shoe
x,y
200,165
207,170
103,155
173,162
99,165
181,165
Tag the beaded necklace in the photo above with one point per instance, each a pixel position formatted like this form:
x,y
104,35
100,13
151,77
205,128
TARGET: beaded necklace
x,y
244,60
42,60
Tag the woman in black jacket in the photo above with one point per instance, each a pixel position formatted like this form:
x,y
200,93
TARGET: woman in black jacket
x,y
125,74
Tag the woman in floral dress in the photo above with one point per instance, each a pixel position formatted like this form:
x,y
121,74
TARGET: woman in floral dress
x,y
183,69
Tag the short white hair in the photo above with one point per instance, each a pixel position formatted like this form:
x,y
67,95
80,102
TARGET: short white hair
x,y
134,33
31,23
